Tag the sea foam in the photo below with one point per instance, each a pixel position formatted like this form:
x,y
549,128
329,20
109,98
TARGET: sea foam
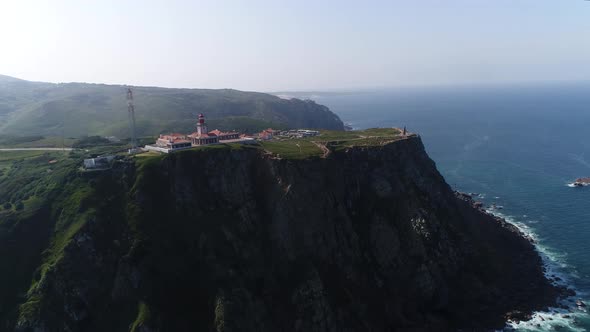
x,y
573,185
568,314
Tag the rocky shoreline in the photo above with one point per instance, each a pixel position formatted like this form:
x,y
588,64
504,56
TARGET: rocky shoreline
x,y
557,291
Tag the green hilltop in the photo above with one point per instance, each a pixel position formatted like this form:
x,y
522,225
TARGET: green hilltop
x,y
82,109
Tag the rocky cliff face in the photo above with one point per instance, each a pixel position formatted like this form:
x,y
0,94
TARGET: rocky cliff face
x,y
368,239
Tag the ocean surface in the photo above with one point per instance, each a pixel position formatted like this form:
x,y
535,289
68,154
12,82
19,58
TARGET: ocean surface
x,y
516,146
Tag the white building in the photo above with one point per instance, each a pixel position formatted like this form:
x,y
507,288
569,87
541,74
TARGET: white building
x,y
103,162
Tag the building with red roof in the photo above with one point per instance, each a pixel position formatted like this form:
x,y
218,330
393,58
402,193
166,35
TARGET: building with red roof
x,y
203,137
173,141
176,141
266,134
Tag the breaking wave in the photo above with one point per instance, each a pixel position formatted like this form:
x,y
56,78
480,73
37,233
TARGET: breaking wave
x,y
567,314
573,185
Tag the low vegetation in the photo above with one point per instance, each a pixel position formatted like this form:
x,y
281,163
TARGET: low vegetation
x,y
292,149
30,184
26,175
143,316
78,109
91,141
35,142
337,141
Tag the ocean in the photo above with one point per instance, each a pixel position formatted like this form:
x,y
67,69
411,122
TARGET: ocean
x,y
516,146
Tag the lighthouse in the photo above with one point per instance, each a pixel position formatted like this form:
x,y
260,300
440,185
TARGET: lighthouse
x,y
201,126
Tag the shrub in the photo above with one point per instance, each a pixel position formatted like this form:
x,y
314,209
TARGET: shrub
x,y
91,141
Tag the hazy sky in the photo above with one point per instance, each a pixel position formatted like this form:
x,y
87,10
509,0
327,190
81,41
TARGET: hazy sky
x,y
299,44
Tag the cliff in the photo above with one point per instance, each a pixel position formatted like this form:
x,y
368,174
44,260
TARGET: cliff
x,y
225,239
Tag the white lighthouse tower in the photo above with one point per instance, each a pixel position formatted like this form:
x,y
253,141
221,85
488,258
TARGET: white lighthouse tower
x,y
201,125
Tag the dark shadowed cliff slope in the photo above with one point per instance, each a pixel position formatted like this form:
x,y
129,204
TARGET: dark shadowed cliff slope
x,y
368,239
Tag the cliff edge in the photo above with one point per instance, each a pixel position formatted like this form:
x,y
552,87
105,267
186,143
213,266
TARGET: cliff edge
x,y
370,238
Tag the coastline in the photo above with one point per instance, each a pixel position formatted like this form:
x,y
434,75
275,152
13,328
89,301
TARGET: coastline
x,y
563,311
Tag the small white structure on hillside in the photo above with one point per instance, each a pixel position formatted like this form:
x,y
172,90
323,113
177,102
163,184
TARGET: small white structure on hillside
x,y
103,162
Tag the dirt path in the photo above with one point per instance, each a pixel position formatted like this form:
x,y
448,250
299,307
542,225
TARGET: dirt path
x,y
323,148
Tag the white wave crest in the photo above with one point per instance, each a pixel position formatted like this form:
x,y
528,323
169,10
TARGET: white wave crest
x,y
565,317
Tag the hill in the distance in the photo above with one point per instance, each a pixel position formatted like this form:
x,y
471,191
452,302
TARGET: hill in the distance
x,y
5,79
80,109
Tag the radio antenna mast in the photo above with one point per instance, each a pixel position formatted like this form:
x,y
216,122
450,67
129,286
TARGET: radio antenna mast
x,y
131,111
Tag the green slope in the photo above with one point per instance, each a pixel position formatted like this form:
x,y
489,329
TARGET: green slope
x,y
79,109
